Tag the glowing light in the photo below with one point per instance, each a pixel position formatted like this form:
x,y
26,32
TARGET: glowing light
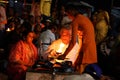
x,y
8,29
16,1
61,48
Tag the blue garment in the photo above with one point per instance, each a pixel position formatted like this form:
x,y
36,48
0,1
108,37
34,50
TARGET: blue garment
x,y
94,70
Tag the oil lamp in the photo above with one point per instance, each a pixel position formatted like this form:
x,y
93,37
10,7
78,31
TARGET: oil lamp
x,y
59,51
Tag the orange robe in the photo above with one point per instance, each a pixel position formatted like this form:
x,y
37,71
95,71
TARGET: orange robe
x,y
83,24
21,53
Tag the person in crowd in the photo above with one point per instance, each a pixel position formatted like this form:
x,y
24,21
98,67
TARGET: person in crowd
x,y
62,14
65,37
38,20
35,14
115,56
3,21
47,23
47,37
104,40
35,11
45,8
3,17
66,20
22,56
61,44
32,21
88,53
54,16
37,31
101,22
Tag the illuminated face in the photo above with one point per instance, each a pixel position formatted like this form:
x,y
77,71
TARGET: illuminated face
x,y
30,37
66,36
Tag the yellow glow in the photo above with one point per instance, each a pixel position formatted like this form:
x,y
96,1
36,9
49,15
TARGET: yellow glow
x,y
61,48
1,1
8,29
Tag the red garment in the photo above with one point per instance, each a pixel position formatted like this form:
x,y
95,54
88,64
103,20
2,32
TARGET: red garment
x,y
88,44
21,53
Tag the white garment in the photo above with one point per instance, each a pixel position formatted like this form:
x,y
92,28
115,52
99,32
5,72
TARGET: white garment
x,y
73,54
46,37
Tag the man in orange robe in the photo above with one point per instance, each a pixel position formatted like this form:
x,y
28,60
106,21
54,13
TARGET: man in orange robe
x,y
88,53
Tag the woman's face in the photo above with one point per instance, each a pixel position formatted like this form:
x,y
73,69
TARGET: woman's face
x,y
30,37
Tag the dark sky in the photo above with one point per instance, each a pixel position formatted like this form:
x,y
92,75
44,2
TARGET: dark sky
x,y
105,4
92,2
98,4
116,3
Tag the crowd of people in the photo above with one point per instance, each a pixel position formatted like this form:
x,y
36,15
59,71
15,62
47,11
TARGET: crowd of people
x,y
35,36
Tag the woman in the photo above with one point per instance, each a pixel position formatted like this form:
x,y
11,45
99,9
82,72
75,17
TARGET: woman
x,y
22,56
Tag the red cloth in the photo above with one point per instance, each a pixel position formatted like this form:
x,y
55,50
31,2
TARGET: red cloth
x,y
88,44
21,53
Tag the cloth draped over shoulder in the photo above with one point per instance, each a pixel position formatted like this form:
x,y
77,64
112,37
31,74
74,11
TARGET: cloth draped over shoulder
x,y
74,53
88,39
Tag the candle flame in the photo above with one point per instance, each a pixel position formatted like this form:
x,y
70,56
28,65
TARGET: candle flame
x,y
8,29
61,48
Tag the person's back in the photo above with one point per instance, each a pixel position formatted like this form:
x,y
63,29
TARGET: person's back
x,y
88,38
47,37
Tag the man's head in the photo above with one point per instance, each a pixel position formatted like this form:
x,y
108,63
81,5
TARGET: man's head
x,y
65,34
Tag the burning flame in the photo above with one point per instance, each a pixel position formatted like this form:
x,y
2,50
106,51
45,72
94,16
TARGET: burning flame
x,y
61,48
8,29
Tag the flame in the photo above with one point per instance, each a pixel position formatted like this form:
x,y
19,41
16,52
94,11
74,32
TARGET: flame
x,y
61,48
8,29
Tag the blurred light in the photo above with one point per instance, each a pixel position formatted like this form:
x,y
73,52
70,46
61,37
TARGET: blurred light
x,y
8,30
3,1
16,1
60,48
